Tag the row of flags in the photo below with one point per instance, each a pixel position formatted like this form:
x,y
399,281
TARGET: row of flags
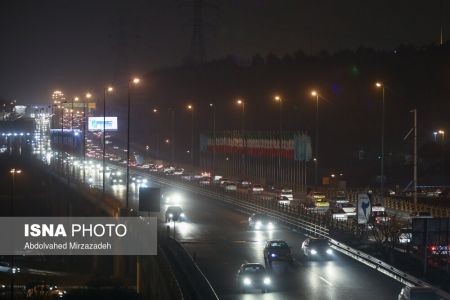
x,y
288,145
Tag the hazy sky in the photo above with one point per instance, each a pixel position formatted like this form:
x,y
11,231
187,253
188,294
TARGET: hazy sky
x,y
80,45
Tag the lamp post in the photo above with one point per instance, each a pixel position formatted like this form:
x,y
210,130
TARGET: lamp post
x,y
213,109
13,173
61,152
381,85
442,134
316,158
87,97
156,111
190,107
106,90
241,103
279,100
134,81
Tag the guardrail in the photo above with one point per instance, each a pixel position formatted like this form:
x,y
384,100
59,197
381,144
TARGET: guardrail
x,y
305,226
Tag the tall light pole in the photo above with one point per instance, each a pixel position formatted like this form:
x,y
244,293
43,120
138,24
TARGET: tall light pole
x,y
241,103
190,107
442,134
13,173
87,97
156,111
106,90
134,81
279,100
316,158
213,108
381,85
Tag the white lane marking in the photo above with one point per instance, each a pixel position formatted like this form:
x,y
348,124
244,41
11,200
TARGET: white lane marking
x,y
326,281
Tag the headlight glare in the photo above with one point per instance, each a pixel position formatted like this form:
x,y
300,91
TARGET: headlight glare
x,y
247,281
313,251
329,251
267,280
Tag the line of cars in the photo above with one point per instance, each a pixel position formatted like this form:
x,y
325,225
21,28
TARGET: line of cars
x,y
251,276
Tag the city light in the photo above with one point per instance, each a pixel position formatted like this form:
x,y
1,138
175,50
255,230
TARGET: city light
x,y
88,95
190,107
110,89
277,98
314,93
136,80
378,84
239,101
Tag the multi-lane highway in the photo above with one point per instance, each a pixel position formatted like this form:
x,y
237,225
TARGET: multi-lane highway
x,y
220,239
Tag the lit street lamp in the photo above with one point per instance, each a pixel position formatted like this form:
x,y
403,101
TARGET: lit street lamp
x,y
279,100
87,97
191,109
316,159
156,111
381,85
134,81
106,90
242,104
213,108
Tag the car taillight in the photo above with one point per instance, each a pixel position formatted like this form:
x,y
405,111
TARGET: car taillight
x,y
433,248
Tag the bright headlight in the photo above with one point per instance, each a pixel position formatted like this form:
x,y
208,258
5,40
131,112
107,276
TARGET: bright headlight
x,y
270,225
258,223
170,215
144,180
273,255
182,215
267,280
313,251
247,281
329,251
119,173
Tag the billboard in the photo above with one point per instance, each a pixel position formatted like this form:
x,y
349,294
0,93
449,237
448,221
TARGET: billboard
x,y
96,124
364,208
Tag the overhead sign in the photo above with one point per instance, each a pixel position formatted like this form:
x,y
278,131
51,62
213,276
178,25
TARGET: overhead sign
x,y
364,208
96,123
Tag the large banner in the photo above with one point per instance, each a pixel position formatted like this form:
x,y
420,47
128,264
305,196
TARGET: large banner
x,y
96,123
364,208
289,145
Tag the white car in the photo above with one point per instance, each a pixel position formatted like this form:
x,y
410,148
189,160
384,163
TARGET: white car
x,y
348,208
256,189
230,186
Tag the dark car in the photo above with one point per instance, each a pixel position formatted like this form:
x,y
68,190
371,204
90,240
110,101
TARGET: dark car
x,y
253,276
277,250
317,248
260,221
174,213
43,291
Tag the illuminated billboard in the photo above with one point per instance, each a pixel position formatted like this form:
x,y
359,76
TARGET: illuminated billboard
x,y
96,124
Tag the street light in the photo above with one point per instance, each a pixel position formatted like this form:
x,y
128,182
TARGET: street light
x,y
87,97
13,173
213,108
134,81
442,134
381,85
279,100
190,107
106,90
241,103
316,94
156,111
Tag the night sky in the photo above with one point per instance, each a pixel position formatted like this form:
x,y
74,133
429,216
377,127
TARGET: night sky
x,y
81,45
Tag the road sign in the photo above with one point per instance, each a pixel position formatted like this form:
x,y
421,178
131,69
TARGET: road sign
x,y
96,123
364,208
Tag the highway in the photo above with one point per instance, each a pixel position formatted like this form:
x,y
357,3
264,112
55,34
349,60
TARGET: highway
x,y
221,240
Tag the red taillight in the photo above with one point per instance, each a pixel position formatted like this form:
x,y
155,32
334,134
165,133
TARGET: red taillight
x,y
433,248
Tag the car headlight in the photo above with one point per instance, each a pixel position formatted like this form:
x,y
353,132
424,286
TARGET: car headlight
x,y
144,180
313,251
3,286
267,280
247,281
273,255
119,173
329,251
182,215
270,225
170,215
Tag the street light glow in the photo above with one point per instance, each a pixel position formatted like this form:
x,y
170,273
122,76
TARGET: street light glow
x,y
314,93
76,98
239,101
442,132
155,110
136,80
378,84
277,98
110,89
88,95
190,107
15,171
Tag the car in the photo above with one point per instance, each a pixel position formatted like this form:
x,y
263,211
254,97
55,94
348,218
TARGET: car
x,y
138,180
244,183
260,221
2,290
178,172
205,181
174,213
5,267
317,248
284,195
256,189
116,178
277,250
417,293
337,213
230,186
405,236
253,276
348,208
